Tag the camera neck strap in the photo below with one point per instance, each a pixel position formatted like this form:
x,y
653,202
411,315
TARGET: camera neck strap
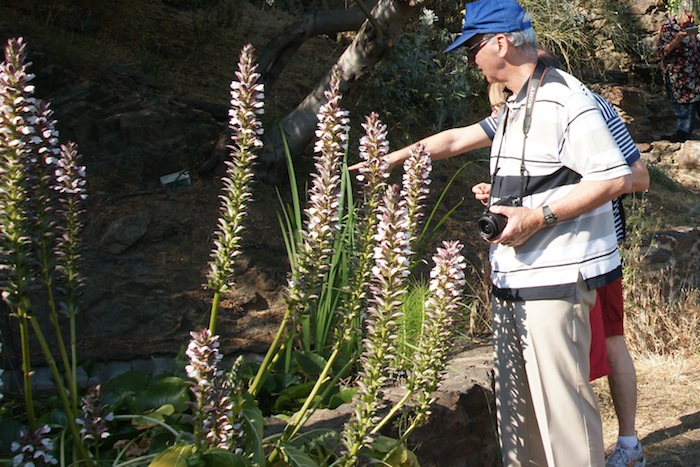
x,y
532,88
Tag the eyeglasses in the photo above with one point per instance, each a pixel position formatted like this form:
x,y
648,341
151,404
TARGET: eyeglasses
x,y
474,49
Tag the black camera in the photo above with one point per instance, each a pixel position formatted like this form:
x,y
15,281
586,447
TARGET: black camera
x,y
490,224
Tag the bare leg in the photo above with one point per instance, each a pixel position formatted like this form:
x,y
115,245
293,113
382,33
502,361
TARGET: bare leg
x,y
623,384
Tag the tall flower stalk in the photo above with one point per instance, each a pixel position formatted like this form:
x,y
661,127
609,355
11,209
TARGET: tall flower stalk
x,y
16,104
415,186
218,403
210,398
70,185
34,448
373,149
447,281
387,286
44,209
95,415
321,226
27,152
246,133
322,216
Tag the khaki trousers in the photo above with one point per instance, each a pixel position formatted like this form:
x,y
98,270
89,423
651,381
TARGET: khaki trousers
x,y
547,411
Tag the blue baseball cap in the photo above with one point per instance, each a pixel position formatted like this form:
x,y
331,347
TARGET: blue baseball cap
x,y
490,16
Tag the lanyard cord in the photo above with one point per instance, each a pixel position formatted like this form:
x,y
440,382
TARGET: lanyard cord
x,y
533,86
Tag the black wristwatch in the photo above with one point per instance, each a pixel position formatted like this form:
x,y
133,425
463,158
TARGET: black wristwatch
x,y
549,217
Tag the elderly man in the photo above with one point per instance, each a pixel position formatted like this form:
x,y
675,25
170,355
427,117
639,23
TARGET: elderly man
x,y
555,166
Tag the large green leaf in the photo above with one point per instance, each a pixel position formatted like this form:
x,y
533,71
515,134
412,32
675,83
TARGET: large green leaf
x,y
174,456
125,385
298,390
292,398
341,397
277,382
310,363
221,458
323,439
392,452
142,423
254,426
297,458
167,391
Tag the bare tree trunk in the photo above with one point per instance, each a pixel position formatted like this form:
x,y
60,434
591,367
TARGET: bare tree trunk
x,y
278,52
376,36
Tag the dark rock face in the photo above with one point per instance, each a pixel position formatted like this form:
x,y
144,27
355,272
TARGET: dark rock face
x,y
462,427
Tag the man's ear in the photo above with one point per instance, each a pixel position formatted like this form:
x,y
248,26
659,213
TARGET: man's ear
x,y
503,44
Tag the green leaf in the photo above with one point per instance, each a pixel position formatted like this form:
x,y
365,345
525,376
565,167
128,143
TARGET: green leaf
x,y
298,391
322,437
276,383
175,456
310,363
392,452
130,381
341,397
141,423
285,404
297,458
167,391
402,457
221,458
254,426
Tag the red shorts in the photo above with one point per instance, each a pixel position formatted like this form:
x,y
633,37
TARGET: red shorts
x,y
606,320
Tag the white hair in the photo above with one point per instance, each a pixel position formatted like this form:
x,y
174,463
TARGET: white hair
x,y
525,38
686,5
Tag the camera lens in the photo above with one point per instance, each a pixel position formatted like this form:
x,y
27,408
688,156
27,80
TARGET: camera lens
x,y
491,225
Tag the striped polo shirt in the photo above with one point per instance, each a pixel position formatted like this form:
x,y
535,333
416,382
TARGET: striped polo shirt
x,y
629,151
622,138
569,141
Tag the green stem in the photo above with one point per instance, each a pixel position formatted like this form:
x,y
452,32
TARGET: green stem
x,y
392,412
300,417
272,351
214,311
308,409
70,417
26,368
53,316
74,357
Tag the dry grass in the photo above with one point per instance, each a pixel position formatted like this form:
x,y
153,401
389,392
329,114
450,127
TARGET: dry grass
x,y
662,329
663,319
662,309
668,412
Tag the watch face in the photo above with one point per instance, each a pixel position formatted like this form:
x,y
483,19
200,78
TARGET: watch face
x,y
549,218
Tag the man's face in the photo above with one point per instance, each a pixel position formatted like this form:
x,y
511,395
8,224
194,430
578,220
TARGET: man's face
x,y
480,53
474,46
686,18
